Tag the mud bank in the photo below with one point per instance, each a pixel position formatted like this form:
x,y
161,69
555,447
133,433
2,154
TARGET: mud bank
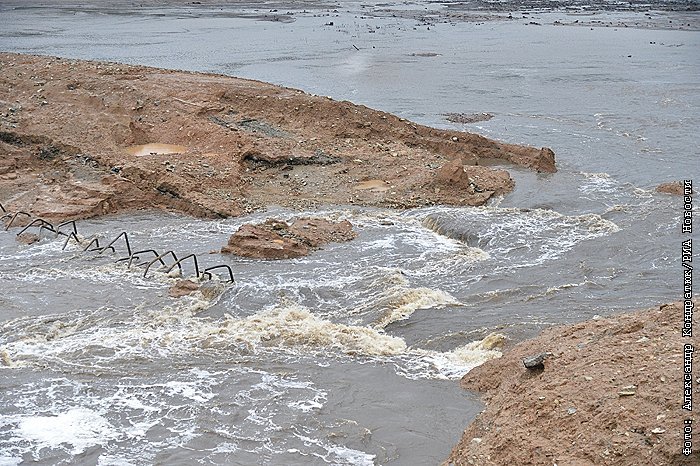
x,y
81,139
610,393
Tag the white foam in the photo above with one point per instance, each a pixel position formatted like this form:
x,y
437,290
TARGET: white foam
x,y
401,302
188,390
296,326
110,460
454,364
290,328
450,365
106,273
9,460
527,237
339,455
306,405
80,427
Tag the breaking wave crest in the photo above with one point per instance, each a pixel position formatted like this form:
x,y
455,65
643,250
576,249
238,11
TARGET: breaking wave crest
x,y
98,339
524,237
396,300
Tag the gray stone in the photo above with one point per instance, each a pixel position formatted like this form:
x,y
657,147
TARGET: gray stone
x,y
535,362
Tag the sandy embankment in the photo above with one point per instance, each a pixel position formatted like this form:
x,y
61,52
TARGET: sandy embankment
x,y
610,394
65,126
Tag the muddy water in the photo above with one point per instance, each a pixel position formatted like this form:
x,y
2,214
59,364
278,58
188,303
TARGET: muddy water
x,y
349,356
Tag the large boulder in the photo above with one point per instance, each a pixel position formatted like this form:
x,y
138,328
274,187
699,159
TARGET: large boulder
x,y
455,175
276,239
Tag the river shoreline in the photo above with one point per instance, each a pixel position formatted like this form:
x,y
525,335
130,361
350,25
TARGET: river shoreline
x,y
83,139
282,156
610,393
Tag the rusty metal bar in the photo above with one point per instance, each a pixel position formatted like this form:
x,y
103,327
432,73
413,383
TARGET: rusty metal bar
x,y
160,258
68,237
69,222
223,266
14,217
44,224
97,247
126,241
94,241
196,265
135,256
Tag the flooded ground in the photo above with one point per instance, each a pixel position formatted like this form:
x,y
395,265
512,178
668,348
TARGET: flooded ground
x,y
351,355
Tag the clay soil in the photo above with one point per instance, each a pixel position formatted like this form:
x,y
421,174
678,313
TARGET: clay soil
x,y
66,127
610,394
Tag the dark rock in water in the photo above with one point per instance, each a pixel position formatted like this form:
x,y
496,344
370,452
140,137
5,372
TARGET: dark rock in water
x,y
452,227
535,362
467,118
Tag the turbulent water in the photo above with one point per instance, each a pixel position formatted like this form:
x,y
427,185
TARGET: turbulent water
x,y
351,355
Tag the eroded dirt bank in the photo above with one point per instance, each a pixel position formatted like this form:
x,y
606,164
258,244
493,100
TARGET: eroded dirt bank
x,y
609,394
66,126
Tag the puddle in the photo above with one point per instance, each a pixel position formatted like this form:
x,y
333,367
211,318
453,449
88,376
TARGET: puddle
x,y
373,185
155,149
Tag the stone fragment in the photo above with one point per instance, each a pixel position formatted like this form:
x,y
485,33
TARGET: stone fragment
x,y
28,238
629,390
535,362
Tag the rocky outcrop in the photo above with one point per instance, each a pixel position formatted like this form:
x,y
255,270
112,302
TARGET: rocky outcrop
x,y
28,238
542,161
464,180
276,239
263,242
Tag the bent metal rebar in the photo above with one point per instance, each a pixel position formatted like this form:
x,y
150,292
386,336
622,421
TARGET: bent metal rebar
x,y
43,224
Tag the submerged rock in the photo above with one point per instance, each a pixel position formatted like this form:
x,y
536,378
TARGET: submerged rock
x,y
466,118
674,187
28,238
275,239
183,288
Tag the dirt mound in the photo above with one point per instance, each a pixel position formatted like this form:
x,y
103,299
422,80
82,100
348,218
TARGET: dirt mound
x,y
276,239
80,139
610,393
